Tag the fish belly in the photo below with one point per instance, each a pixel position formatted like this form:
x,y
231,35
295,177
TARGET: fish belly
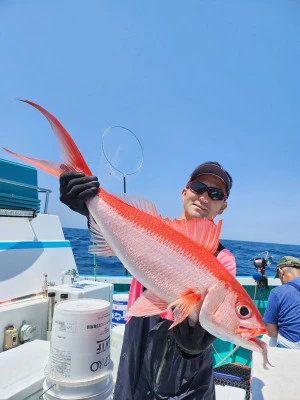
x,y
151,259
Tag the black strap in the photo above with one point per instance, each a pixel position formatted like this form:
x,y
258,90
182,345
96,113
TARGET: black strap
x,y
294,285
219,249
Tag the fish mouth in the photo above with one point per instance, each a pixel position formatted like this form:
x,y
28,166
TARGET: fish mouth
x,y
251,333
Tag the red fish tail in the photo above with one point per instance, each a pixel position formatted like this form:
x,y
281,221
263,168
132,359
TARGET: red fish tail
x,y
72,158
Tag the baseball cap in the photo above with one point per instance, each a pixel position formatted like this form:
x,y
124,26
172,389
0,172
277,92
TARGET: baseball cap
x,y
213,168
287,261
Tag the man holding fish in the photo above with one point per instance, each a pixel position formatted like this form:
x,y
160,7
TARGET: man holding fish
x,y
158,363
187,290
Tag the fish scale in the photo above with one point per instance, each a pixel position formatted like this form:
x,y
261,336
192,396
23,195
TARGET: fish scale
x,y
136,254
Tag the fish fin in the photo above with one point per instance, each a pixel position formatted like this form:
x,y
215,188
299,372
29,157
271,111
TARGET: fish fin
x,y
147,304
185,305
71,156
140,203
203,231
52,167
214,297
100,247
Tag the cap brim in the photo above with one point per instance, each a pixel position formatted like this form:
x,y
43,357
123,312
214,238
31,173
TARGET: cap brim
x,y
212,169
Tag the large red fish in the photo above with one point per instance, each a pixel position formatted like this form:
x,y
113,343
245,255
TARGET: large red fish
x,y
173,259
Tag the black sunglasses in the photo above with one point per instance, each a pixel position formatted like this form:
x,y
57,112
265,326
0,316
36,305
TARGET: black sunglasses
x,y
213,192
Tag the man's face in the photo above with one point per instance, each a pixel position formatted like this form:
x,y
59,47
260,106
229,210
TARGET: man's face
x,y
281,274
201,205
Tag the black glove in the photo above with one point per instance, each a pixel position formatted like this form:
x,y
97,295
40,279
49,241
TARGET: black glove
x,y
75,188
191,341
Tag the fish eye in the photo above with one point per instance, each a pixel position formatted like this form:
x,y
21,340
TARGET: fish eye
x,y
244,311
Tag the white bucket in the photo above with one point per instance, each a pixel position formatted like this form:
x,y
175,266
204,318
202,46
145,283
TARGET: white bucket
x,y
79,361
119,308
102,390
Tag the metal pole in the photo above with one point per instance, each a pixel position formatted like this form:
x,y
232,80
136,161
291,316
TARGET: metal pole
x,y
124,183
115,167
124,186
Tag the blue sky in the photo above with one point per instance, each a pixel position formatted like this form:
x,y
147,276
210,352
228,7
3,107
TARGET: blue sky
x,y
195,81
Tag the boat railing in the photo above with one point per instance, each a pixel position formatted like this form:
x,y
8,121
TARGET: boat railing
x,y
38,189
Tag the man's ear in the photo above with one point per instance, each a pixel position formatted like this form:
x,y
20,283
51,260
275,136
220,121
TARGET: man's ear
x,y
183,193
224,206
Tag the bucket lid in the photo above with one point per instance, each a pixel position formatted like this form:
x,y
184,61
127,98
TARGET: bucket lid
x,y
82,305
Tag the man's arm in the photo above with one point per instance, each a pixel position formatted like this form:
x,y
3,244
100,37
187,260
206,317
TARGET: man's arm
x,y
191,341
271,314
272,329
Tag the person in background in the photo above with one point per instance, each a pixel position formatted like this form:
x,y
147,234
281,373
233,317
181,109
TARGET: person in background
x,y
282,315
158,363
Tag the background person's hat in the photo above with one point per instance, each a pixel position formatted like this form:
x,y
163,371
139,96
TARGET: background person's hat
x,y
287,261
213,168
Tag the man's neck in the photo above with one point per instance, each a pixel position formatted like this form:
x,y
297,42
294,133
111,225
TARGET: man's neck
x,y
291,277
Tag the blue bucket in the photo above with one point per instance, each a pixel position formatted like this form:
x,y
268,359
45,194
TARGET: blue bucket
x,y
119,308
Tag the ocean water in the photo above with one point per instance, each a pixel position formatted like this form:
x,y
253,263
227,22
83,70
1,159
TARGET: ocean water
x,y
244,253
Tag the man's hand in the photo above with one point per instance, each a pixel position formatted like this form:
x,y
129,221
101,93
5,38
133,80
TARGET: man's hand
x,y
76,188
